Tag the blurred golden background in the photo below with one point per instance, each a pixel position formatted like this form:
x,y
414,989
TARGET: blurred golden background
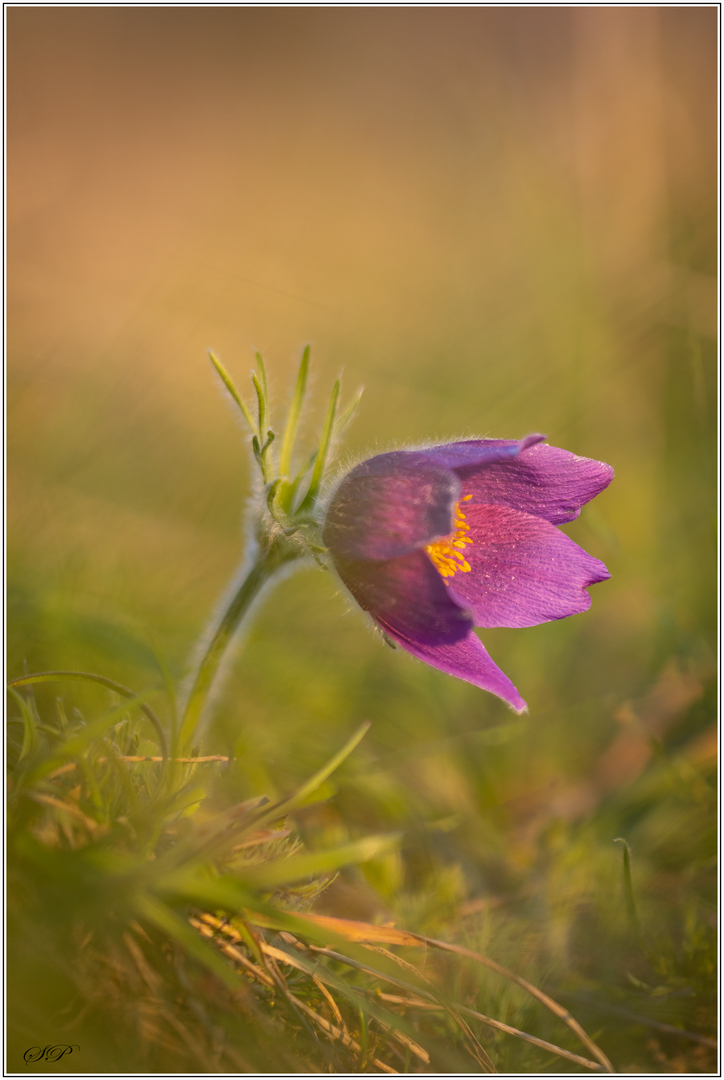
x,y
499,220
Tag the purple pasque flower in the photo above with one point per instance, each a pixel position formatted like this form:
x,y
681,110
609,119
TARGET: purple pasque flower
x,y
437,541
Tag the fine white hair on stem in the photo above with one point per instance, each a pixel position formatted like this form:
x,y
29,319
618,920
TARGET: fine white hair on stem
x,y
204,640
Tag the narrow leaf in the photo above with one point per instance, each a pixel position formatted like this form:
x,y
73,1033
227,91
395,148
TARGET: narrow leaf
x,y
287,805
261,402
340,425
228,383
195,887
324,445
295,411
283,871
349,930
262,375
30,732
270,436
628,886
348,414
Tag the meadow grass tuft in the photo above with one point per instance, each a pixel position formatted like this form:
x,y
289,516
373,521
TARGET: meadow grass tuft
x,y
424,909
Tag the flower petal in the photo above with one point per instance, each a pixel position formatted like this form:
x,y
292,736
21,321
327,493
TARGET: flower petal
x,y
466,659
391,505
474,453
523,571
408,596
542,480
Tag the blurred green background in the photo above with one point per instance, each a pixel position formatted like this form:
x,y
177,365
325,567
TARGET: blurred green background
x,y
499,220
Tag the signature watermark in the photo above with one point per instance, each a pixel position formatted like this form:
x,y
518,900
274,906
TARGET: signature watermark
x,y
49,1053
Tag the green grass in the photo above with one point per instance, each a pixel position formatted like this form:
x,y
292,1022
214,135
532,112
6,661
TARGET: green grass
x,y
147,898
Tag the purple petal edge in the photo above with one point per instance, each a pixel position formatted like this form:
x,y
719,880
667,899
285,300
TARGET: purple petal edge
x,y
477,452
544,481
467,659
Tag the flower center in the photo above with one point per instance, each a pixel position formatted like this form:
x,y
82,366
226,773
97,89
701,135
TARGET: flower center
x,y
447,554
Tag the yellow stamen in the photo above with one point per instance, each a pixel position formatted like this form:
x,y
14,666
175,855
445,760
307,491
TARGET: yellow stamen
x,y
447,554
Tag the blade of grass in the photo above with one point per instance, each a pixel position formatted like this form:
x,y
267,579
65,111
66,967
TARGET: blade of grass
x,y
554,1007
233,953
30,731
388,1020
284,871
320,986
360,932
215,836
66,808
337,1033
85,676
324,444
285,806
263,974
228,383
295,411
551,1048
474,1048
628,886
319,975
271,967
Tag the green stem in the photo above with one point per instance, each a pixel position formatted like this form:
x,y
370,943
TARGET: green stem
x,y
267,564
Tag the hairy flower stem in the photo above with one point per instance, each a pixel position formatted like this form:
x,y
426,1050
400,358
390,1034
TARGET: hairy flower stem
x,y
268,563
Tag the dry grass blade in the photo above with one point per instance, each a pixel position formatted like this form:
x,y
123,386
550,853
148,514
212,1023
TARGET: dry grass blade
x,y
337,1033
285,958
474,1047
207,928
330,1001
93,827
207,924
232,952
269,954
363,933
555,1008
175,760
408,1043
265,836
413,1003
429,1000
436,1005
61,771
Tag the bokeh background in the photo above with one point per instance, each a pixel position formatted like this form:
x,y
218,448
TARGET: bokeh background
x,y
499,220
